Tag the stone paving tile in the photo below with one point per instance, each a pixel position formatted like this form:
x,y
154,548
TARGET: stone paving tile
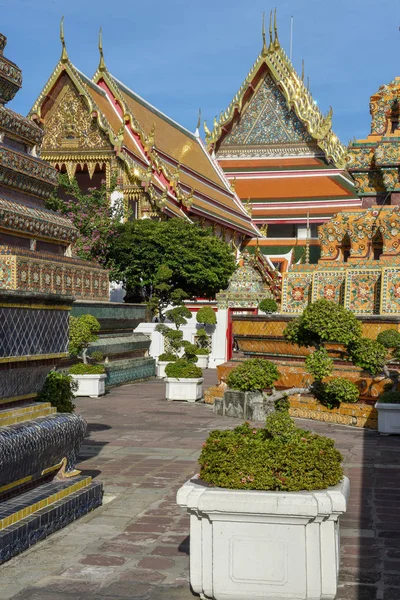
x,y
136,545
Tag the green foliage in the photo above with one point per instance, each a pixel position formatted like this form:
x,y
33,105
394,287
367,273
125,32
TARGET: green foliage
x,y
268,305
92,214
252,375
97,356
58,390
323,321
338,390
319,364
280,457
200,263
81,369
183,369
206,316
178,315
202,351
203,339
390,397
190,351
167,357
368,354
164,293
82,332
390,338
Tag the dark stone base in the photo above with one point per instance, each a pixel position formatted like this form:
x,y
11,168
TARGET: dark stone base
x,y
27,532
253,406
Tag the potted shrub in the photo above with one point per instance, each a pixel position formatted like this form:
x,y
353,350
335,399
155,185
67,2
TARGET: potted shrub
x,y
90,378
264,514
244,397
163,360
206,317
388,407
268,305
183,381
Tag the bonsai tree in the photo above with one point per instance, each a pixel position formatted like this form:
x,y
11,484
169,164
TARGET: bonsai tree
x,y
82,331
255,374
183,369
390,339
205,316
179,316
268,305
164,293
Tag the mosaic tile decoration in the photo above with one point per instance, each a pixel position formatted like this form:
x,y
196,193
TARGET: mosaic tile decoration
x,y
328,285
133,369
267,120
28,332
27,449
19,537
362,291
296,292
390,294
22,380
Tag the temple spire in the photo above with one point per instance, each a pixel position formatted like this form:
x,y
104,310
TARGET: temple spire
x,y
197,132
276,40
64,53
264,46
270,32
102,64
302,70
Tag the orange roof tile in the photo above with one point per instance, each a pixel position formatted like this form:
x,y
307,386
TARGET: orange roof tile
x,y
272,188
230,163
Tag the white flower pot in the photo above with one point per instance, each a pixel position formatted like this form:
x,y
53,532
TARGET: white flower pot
x,y
183,389
90,385
161,368
248,544
202,361
388,417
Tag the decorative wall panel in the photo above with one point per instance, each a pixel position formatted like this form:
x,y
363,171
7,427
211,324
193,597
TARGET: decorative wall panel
x,y
328,285
362,291
296,292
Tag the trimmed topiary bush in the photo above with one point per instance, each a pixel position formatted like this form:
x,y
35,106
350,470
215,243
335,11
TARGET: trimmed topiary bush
x,y
280,457
368,354
59,390
254,374
82,331
206,315
202,352
183,369
390,397
82,369
336,391
167,357
390,338
268,305
97,356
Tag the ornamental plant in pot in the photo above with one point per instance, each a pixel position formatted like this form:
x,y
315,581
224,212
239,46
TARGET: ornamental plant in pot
x,y
91,379
388,405
173,338
264,513
183,378
207,318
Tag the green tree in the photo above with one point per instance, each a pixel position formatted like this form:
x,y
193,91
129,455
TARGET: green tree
x,y
82,331
199,263
93,214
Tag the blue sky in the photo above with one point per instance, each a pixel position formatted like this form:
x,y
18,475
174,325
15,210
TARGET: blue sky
x,y
182,55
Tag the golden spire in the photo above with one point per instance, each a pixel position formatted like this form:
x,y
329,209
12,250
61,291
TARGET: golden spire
x,y
276,41
302,70
270,32
64,54
102,64
199,120
264,46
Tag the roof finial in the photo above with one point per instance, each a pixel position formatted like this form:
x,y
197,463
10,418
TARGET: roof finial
x,y
264,46
270,31
197,132
308,83
102,64
64,54
302,70
276,41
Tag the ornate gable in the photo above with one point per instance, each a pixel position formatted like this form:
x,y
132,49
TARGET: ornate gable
x,y
70,126
267,120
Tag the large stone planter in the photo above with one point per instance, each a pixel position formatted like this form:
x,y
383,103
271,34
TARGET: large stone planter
x,y
161,368
90,385
254,406
189,390
388,417
202,361
264,545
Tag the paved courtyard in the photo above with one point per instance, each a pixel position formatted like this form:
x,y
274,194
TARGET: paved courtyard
x,y
136,545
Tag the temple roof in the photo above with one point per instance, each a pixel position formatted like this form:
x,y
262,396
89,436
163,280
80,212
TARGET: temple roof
x,y
273,108
170,161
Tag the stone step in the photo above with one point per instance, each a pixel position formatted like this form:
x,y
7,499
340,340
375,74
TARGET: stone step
x,y
56,505
25,412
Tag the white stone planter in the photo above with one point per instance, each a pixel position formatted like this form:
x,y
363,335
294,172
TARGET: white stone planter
x,y
202,361
161,368
256,544
183,389
90,385
388,417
